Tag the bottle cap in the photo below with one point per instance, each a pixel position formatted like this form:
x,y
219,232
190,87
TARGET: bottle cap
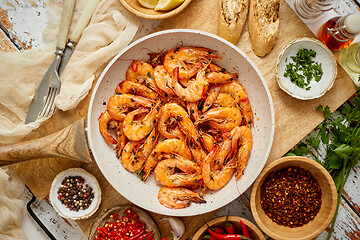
x,y
352,23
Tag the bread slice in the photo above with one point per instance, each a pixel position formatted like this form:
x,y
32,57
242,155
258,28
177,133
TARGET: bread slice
x,y
232,18
263,25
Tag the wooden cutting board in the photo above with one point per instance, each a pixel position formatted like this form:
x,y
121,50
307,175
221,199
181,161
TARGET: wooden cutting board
x,y
294,118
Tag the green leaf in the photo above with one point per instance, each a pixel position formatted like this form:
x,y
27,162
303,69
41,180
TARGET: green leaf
x,y
344,151
314,142
355,157
333,161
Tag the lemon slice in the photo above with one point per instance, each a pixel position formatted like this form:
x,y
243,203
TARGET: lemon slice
x,y
165,5
148,3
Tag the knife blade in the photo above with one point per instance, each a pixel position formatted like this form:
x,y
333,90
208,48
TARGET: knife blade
x,y
52,72
83,21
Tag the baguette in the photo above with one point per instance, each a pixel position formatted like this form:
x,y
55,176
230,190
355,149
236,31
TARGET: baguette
x,y
263,25
232,18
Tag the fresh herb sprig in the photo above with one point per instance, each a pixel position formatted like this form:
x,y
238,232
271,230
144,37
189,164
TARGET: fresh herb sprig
x,y
341,139
303,69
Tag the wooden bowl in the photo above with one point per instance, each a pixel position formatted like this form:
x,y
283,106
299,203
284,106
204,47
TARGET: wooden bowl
x,y
135,7
321,220
104,218
254,232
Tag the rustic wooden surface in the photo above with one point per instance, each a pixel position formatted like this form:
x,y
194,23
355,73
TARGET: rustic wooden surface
x,y
294,118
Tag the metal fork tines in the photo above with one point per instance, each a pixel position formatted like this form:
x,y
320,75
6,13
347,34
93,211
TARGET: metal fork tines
x,y
54,89
49,105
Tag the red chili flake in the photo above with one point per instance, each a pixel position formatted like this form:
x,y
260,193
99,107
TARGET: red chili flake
x,y
290,196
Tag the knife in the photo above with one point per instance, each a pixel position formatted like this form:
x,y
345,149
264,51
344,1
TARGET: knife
x,y
83,21
42,91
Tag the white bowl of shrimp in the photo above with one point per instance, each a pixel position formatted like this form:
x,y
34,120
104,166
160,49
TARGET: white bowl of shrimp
x,y
184,131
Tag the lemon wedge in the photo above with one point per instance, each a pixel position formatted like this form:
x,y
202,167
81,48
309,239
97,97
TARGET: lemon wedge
x,y
148,3
165,5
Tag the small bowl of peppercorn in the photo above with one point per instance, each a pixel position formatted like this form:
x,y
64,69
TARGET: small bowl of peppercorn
x,y
293,198
75,194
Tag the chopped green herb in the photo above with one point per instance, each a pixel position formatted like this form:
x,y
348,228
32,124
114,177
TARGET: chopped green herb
x,y
149,74
303,69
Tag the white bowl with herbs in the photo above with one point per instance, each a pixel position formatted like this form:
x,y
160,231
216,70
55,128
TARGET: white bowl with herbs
x,y
75,194
306,69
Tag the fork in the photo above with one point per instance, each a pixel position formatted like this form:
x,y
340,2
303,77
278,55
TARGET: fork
x,y
54,81
54,88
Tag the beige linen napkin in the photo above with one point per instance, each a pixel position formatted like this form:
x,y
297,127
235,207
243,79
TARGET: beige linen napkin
x,y
11,207
110,30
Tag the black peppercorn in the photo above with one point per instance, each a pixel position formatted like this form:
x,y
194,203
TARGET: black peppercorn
x,y
74,194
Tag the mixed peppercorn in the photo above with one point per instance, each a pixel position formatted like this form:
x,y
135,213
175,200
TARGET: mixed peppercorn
x,y
290,196
128,227
75,194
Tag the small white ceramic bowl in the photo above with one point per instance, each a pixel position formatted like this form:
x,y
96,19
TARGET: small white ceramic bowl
x,y
323,56
61,208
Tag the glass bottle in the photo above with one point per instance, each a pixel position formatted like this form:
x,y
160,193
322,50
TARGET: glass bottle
x,y
349,59
339,32
311,9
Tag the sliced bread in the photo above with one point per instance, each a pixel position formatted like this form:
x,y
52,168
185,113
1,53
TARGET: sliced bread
x,y
232,18
263,25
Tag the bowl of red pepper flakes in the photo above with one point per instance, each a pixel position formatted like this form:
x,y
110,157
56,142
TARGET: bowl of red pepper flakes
x,y
126,222
228,228
293,198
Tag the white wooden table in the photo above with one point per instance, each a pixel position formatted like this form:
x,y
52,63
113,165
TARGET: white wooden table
x,y
22,23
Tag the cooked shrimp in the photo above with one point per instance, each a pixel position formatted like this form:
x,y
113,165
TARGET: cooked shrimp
x,y
149,144
214,68
193,111
189,60
221,77
241,142
121,139
120,103
224,100
104,120
141,72
166,123
137,130
176,131
168,146
194,90
212,95
216,173
197,152
238,92
129,156
222,118
135,88
162,80
172,111
207,140
135,153
177,172
178,197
